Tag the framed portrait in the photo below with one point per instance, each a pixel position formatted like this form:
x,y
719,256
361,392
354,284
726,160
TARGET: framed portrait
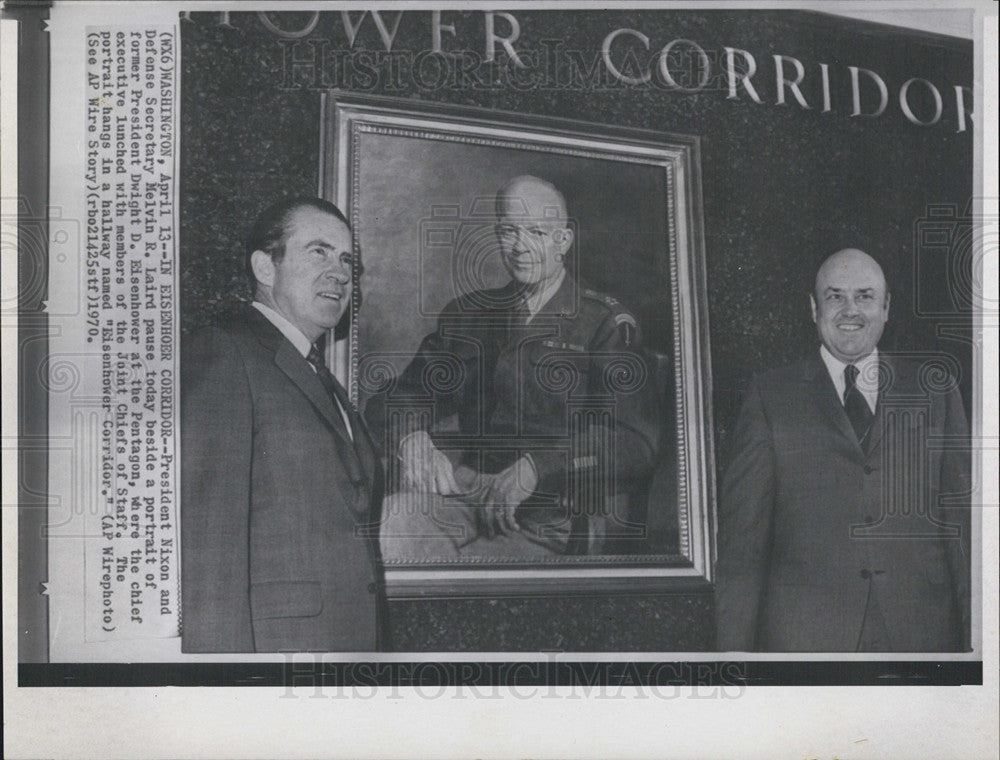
x,y
605,395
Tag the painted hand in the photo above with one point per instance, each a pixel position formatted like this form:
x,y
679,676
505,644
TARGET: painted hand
x,y
506,492
424,468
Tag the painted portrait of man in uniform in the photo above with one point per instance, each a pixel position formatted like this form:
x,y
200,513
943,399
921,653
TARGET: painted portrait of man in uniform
x,y
555,370
518,350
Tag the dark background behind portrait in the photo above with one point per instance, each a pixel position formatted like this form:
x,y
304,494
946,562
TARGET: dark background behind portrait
x,y
783,187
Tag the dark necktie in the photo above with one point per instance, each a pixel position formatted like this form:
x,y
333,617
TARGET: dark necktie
x,y
350,428
856,406
315,358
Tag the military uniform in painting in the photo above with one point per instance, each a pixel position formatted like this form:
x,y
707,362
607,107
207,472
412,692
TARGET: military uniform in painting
x,y
568,387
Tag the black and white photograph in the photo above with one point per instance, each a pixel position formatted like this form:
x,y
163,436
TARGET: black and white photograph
x,y
647,353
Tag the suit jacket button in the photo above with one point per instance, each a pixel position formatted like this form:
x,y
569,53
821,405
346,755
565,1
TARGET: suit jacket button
x,y
865,574
869,469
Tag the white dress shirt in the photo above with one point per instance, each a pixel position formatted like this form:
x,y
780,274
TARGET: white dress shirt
x,y
867,381
302,345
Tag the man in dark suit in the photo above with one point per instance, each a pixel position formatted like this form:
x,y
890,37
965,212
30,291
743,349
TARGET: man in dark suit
x,y
841,522
552,421
279,476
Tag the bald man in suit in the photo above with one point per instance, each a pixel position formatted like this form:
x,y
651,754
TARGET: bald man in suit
x,y
842,525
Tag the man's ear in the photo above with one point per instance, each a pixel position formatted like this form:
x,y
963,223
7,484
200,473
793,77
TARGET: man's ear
x,y
887,304
263,268
563,237
812,306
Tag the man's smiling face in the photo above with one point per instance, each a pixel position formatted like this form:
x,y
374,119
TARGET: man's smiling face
x,y
851,304
532,231
311,284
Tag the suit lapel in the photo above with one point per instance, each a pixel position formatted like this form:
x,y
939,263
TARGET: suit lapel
x,y
371,462
825,396
292,363
886,370
297,369
360,451
363,445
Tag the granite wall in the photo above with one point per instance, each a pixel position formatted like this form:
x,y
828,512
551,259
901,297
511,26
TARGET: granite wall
x,y
783,187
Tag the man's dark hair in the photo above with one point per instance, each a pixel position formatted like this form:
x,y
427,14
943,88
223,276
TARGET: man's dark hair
x,y
268,232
